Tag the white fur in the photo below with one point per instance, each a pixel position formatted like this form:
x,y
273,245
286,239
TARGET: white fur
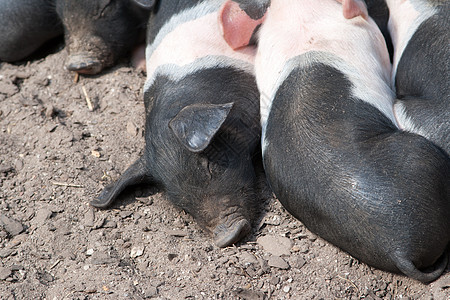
x,y
176,72
405,122
189,37
190,14
405,16
356,47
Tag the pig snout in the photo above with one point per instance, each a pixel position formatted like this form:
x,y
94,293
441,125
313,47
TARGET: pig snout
x,y
232,225
84,63
88,54
228,234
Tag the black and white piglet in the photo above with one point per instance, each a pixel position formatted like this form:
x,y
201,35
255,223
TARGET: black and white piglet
x,y
332,150
99,32
202,121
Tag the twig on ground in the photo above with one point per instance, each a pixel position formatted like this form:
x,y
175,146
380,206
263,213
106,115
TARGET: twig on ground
x,y
55,264
67,184
88,100
351,282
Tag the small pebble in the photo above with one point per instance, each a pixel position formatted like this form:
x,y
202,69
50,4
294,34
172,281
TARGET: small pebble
x,y
132,129
13,227
96,153
99,222
16,267
100,258
137,251
4,273
110,224
42,216
300,262
278,262
150,291
247,258
177,233
274,280
89,218
276,245
125,213
6,252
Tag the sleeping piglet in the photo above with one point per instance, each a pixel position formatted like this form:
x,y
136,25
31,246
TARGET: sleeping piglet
x,y
332,148
202,126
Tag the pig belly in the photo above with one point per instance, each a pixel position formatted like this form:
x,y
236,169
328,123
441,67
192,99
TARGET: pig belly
x,y
196,43
295,27
405,17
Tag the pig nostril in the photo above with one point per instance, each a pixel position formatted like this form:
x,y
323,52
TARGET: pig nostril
x,y
229,235
83,64
73,67
78,66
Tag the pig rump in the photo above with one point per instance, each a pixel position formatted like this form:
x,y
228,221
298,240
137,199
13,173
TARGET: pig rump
x,y
350,176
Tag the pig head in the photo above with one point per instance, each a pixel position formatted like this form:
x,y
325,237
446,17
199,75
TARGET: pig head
x,y
99,32
201,139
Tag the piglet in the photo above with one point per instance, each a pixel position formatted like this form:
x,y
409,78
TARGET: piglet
x,y
202,121
99,32
25,25
332,149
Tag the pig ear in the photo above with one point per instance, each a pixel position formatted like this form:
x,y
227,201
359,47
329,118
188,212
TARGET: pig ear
x,y
147,4
195,125
135,174
354,8
236,25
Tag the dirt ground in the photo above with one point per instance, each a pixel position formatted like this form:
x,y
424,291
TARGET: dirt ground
x,y
56,154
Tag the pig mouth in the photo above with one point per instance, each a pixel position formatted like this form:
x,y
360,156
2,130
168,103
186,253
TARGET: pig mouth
x,y
228,234
84,63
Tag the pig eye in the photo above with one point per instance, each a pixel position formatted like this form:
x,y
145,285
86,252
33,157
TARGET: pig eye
x,y
215,170
205,165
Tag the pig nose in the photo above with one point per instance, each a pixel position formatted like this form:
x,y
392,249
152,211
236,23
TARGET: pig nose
x,y
228,235
84,64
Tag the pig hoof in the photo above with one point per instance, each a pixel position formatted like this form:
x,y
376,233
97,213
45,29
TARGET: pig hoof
x,y
226,236
84,64
138,59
